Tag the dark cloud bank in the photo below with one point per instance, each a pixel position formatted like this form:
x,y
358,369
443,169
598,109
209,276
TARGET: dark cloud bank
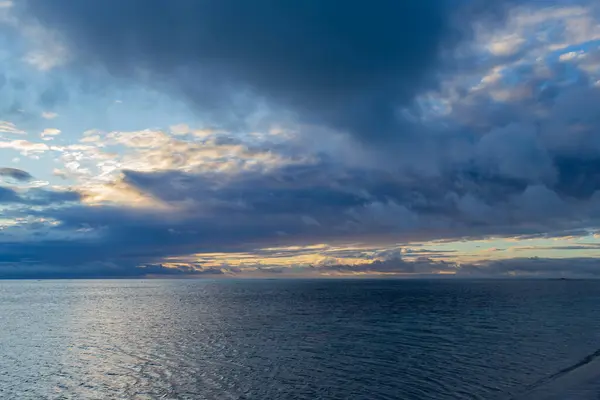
x,y
348,65
524,166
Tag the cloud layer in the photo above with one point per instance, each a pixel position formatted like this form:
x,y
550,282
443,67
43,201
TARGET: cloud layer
x,y
355,124
349,66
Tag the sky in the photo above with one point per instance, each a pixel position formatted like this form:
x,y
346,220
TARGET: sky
x,y
225,138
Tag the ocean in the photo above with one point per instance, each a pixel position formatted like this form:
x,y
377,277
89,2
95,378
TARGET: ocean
x,y
299,339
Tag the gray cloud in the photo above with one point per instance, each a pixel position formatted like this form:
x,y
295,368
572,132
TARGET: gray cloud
x,y
421,266
254,210
8,195
42,197
518,159
485,189
16,174
537,267
347,65
25,270
512,268
38,197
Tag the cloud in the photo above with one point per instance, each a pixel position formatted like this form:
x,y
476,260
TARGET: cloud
x,y
506,46
395,266
8,195
9,127
24,146
16,174
49,115
546,185
459,129
46,59
536,267
38,196
245,212
347,66
49,133
9,270
425,267
43,197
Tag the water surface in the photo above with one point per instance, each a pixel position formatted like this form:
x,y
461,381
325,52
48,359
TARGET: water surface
x,y
298,339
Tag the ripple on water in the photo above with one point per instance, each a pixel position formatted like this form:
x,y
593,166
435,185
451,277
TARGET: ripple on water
x,y
295,339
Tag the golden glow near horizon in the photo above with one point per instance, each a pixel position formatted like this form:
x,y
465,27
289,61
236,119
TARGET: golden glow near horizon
x,y
314,259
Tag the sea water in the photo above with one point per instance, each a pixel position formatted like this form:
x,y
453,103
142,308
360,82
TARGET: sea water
x,y
299,339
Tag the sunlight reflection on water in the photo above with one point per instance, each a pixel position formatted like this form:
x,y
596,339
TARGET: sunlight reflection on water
x,y
160,339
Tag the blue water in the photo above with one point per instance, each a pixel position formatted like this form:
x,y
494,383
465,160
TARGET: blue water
x,y
292,339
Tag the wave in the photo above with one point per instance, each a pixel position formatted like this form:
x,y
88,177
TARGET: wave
x,y
573,375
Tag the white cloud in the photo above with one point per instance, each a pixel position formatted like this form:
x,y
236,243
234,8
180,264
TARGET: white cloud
x,y
506,46
516,60
140,139
49,115
49,133
24,146
572,55
47,52
44,50
180,129
45,61
97,171
91,139
9,127
537,32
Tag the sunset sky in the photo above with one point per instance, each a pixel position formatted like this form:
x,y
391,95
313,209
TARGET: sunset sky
x,y
299,139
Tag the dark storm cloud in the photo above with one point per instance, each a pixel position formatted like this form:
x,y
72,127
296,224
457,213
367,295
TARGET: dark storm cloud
x,y
299,205
349,64
525,179
527,141
526,165
16,174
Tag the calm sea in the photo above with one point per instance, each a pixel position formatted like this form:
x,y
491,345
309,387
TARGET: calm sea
x,y
299,339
